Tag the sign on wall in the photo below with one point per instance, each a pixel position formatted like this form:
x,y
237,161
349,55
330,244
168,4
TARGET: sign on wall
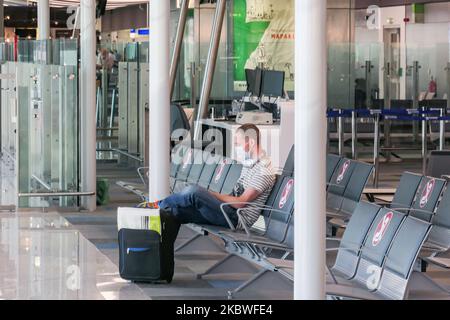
x,y
264,34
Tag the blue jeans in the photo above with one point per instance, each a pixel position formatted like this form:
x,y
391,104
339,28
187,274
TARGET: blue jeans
x,y
196,205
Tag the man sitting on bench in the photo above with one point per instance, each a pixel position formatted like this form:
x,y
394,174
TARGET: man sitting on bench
x,y
197,205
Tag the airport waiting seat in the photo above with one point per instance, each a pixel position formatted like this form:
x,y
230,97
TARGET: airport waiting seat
x,y
406,190
353,239
220,175
178,155
395,273
426,199
278,204
389,254
288,168
377,243
277,213
338,183
184,169
375,259
439,239
189,170
361,222
403,200
338,212
197,168
279,223
332,163
178,118
401,258
355,187
232,178
438,164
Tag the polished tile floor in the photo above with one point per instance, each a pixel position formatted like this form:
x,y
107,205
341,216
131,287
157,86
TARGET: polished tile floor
x,y
44,257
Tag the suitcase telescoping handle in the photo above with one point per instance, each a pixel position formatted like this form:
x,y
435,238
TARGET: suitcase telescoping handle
x,y
137,250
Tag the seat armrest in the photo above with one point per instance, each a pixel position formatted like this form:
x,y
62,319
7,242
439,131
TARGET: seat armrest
x,y
141,175
229,204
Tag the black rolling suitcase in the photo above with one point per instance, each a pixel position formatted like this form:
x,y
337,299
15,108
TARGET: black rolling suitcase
x,y
147,255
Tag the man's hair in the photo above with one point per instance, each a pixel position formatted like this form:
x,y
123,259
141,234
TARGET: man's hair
x,y
252,129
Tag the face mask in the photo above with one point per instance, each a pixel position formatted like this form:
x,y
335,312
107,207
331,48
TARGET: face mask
x,y
244,157
240,154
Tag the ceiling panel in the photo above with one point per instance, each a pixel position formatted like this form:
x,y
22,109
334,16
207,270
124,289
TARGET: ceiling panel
x,y
112,4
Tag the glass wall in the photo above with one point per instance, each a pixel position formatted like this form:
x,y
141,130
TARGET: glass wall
x,y
40,121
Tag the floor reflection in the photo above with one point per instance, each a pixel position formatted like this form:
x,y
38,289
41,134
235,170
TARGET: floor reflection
x,y
7,181
43,257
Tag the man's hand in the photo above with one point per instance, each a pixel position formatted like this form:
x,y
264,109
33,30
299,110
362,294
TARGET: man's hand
x,y
249,195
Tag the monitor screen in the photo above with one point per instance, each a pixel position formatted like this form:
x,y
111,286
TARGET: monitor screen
x,y
272,83
250,76
101,8
254,81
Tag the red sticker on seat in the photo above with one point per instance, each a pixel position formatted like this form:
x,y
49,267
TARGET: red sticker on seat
x,y
286,192
343,171
426,193
187,159
382,228
219,171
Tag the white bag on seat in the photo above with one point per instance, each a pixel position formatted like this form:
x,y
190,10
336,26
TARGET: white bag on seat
x,y
139,219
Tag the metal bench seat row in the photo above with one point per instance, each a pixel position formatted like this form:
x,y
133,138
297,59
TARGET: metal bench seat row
x,y
277,211
377,254
254,245
346,185
416,195
393,262
427,199
219,174
346,180
437,242
375,258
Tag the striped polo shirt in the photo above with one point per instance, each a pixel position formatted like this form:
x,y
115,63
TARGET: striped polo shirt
x,y
261,177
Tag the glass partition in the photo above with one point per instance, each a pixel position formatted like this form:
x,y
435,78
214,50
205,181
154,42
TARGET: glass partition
x,y
40,121
354,75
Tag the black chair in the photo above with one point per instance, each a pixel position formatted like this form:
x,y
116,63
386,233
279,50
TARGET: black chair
x,y
391,271
232,178
332,163
377,243
288,168
426,200
197,167
355,187
406,190
220,174
184,169
401,259
338,184
438,164
439,238
353,239
208,171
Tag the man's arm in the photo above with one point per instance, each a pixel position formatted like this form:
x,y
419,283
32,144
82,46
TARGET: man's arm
x,y
249,195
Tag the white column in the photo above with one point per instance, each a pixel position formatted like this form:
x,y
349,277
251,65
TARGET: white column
x,y
87,103
43,19
159,99
310,149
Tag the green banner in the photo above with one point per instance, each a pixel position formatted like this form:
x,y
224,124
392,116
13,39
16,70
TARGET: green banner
x,y
263,36
247,37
